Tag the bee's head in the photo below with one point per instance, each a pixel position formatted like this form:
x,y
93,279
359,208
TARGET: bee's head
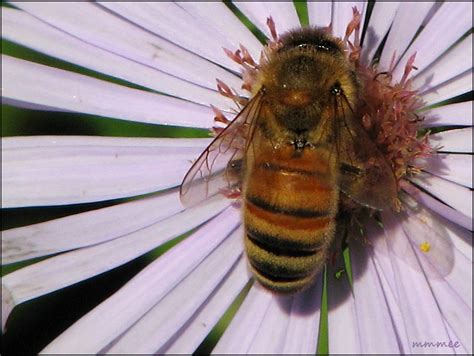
x,y
303,77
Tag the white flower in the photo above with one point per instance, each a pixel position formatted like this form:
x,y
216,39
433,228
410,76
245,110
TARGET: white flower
x,y
411,287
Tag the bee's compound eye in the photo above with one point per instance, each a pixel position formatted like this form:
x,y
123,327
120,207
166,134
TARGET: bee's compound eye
x,y
336,89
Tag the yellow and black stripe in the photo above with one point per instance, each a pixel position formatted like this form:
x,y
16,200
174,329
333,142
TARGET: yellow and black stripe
x,y
289,215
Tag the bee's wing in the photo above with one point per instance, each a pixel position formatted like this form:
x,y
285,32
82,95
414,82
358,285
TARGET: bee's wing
x,y
418,238
210,174
365,175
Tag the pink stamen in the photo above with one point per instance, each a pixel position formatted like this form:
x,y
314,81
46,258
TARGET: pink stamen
x,y
235,56
219,116
272,28
408,68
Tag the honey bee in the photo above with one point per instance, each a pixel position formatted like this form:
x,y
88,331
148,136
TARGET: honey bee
x,y
295,150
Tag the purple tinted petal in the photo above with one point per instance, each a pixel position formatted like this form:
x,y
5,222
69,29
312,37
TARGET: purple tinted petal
x,y
461,239
423,229
451,64
421,315
373,316
452,336
86,229
50,174
380,258
20,142
456,168
303,327
161,322
443,260
380,21
201,324
449,89
454,195
459,114
139,46
319,13
222,19
438,207
342,318
168,20
449,23
8,303
240,333
342,15
139,58
283,14
66,269
408,19
38,84
117,313
453,140
272,331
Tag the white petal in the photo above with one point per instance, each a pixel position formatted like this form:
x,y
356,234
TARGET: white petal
x,y
29,106
342,318
72,267
272,331
87,228
421,314
201,324
423,229
342,15
223,20
161,322
394,309
319,13
103,30
446,67
8,303
449,23
42,85
303,328
454,195
240,333
461,239
103,141
283,14
459,114
456,168
449,89
453,140
373,316
460,350
170,21
111,318
54,175
438,207
380,257
443,260
408,19
380,21
456,312
135,61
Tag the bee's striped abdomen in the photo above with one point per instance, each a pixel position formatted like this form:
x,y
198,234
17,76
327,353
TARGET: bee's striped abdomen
x,y
289,219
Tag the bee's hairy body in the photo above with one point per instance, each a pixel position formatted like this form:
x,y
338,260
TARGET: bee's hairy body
x,y
289,188
289,209
292,151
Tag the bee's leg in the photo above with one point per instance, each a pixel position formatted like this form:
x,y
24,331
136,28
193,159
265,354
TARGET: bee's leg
x,y
234,172
340,237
